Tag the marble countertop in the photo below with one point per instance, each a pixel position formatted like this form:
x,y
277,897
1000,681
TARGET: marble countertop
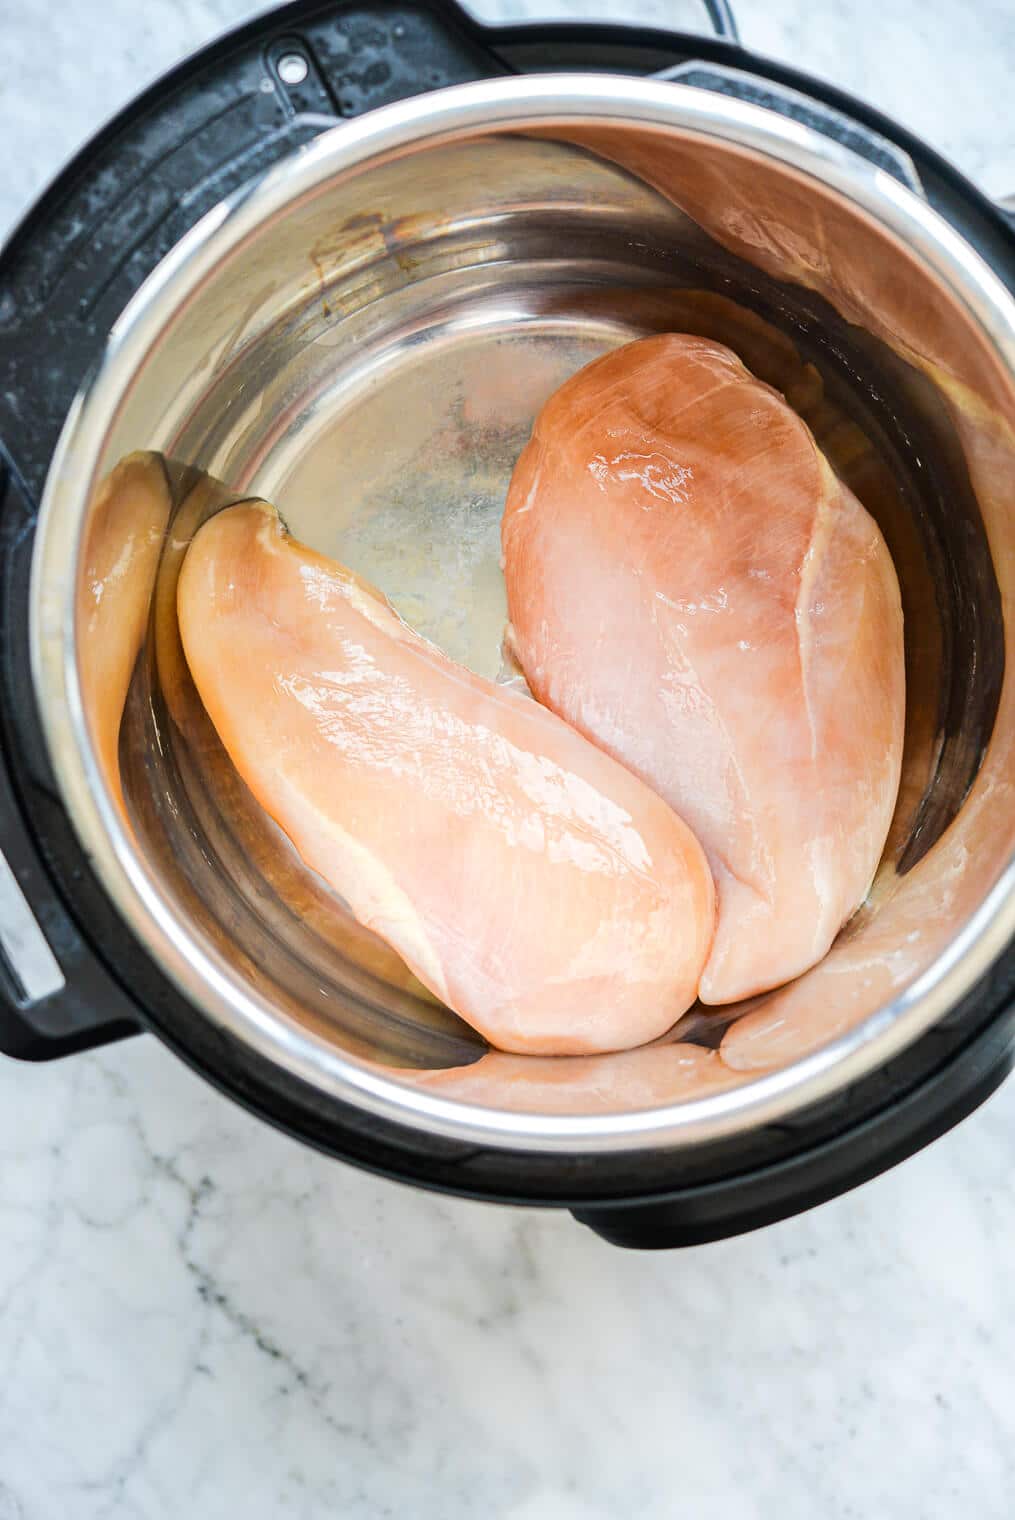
x,y
200,1318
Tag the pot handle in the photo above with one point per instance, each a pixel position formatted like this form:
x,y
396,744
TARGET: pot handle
x,y
721,79
719,14
564,45
722,19
56,997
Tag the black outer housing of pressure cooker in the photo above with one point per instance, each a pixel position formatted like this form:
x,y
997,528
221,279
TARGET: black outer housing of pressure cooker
x,y
65,275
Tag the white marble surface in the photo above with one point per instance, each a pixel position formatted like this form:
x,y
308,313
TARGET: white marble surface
x,y
199,1318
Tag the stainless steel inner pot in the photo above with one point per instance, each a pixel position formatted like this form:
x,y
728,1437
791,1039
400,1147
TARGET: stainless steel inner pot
x,y
363,336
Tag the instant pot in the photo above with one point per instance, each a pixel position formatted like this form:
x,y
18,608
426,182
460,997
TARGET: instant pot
x,y
338,259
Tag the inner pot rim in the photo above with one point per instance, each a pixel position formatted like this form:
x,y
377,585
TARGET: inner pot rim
x,y
197,968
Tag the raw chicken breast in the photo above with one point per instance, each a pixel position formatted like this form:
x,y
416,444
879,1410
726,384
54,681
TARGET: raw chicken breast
x,y
537,887
623,1082
692,587
254,838
125,537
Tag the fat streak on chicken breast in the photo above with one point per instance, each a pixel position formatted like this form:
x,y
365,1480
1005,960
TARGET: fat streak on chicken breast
x,y
691,586
536,886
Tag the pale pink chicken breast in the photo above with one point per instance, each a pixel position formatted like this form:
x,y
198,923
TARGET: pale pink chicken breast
x,y
121,554
541,890
691,586
625,1081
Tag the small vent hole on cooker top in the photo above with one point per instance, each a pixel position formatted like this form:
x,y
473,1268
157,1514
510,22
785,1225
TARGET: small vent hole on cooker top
x,y
293,68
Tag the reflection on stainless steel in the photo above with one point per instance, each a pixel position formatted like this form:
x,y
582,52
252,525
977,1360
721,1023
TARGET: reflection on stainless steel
x,y
364,338
121,552
673,1072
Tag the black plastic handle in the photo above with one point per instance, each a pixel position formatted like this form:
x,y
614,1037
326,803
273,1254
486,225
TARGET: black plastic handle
x,y
55,995
560,44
